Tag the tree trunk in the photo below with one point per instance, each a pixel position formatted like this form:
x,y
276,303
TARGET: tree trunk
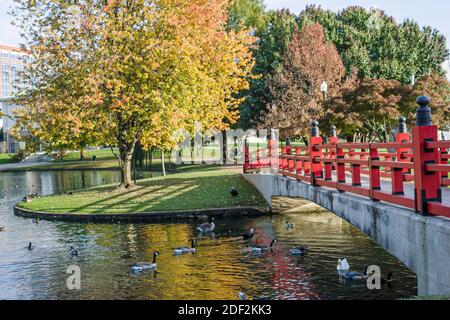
x,y
82,155
125,160
151,158
163,165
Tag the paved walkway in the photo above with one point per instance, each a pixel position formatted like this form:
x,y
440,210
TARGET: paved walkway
x,y
10,166
407,186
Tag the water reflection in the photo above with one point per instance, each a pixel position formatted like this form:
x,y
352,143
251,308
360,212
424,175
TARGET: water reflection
x,y
221,267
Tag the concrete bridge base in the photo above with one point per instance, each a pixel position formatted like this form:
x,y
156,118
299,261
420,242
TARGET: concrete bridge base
x,y
421,243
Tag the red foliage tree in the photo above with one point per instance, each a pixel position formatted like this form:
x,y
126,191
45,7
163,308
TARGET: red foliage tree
x,y
308,61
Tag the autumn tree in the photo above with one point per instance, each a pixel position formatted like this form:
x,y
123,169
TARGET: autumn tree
x,y
364,101
378,46
438,89
308,61
131,64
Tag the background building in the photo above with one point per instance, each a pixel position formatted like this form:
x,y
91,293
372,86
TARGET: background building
x,y
12,65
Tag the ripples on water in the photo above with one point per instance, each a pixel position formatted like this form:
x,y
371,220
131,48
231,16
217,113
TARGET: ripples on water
x,y
221,268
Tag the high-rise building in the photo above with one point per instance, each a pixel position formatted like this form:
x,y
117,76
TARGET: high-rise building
x,y
12,65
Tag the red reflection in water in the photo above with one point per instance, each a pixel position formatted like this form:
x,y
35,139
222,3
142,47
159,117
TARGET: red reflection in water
x,y
290,280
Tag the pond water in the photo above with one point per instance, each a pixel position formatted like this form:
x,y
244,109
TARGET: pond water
x,y
221,267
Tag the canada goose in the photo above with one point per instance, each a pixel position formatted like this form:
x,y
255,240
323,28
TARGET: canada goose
x,y
299,251
260,249
389,279
234,192
36,220
30,246
182,250
2,229
207,226
289,225
142,266
249,234
355,276
27,199
343,265
73,252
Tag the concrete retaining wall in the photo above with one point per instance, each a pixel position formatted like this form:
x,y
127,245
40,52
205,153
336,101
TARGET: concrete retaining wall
x,y
421,243
147,217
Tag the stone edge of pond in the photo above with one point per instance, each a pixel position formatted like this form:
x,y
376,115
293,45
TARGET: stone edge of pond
x,y
141,216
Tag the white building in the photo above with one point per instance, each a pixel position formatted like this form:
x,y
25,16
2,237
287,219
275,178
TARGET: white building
x,y
12,66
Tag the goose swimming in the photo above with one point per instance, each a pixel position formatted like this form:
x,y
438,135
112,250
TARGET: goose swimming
x,y
207,226
343,265
142,266
73,252
182,250
355,276
260,249
299,251
249,234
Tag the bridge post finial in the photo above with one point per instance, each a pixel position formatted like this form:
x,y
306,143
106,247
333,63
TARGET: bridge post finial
x,y
427,184
288,141
402,125
423,114
314,128
333,131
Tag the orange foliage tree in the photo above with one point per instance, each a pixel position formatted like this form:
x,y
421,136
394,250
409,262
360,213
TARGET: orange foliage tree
x,y
308,61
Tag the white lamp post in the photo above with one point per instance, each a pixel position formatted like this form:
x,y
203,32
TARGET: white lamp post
x,y
324,89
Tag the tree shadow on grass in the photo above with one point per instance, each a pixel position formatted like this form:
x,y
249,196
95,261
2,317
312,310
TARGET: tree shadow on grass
x,y
179,193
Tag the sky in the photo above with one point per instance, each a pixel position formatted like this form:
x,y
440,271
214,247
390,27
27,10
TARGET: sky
x,y
435,13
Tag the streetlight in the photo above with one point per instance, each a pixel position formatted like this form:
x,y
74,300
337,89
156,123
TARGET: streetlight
x,y
324,89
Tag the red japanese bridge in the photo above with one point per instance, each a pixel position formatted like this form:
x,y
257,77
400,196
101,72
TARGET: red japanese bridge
x,y
397,193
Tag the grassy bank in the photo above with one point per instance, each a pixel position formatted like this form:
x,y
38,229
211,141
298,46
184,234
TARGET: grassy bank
x,y
7,158
202,187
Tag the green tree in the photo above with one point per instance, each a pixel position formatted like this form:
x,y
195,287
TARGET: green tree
x,y
378,46
247,14
268,53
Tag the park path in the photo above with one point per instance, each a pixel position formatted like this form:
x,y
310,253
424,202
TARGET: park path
x,y
386,187
11,166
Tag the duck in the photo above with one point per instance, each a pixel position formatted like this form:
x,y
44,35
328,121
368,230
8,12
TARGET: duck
x,y
234,192
73,252
249,233
299,251
182,250
289,225
355,276
2,229
343,265
30,246
142,266
388,280
260,249
207,226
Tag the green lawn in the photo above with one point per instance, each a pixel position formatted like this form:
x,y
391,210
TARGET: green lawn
x,y
196,187
102,154
6,158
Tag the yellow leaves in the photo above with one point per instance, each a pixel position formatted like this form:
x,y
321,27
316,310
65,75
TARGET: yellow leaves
x,y
146,72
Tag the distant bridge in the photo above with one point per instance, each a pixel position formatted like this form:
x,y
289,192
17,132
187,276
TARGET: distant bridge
x,y
396,193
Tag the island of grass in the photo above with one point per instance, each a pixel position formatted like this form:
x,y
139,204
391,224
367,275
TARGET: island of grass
x,y
193,189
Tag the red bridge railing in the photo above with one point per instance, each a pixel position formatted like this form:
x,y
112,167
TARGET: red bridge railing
x,y
360,168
